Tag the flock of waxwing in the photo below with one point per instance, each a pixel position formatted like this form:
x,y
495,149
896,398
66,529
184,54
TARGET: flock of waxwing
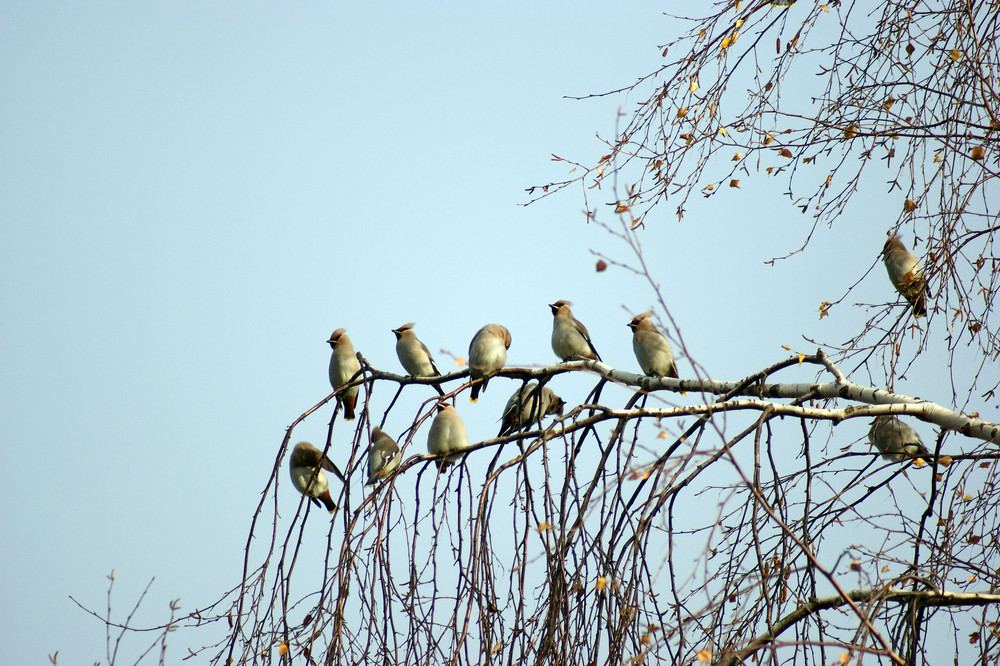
x,y
530,404
895,440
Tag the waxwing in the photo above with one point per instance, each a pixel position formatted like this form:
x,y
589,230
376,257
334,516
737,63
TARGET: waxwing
x,y
527,407
570,339
383,456
487,354
447,434
343,366
651,348
905,274
414,355
895,440
306,465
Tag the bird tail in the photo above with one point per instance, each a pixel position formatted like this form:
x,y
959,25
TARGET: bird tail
x,y
349,402
477,386
507,427
327,501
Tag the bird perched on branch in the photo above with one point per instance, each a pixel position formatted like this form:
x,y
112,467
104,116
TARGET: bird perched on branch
x,y
570,339
487,354
651,348
905,274
447,434
414,355
306,466
527,407
344,366
895,440
383,456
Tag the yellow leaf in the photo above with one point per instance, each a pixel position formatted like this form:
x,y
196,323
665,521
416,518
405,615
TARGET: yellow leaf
x,y
600,171
785,152
769,169
723,132
967,498
944,461
954,54
602,583
734,183
909,205
694,84
283,649
544,526
710,187
937,158
972,579
786,347
738,24
704,656
459,361
802,357
737,157
824,8
621,208
851,131
681,112
978,153
768,139
845,657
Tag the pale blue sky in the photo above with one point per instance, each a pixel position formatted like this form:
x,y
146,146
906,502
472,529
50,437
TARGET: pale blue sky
x,y
194,195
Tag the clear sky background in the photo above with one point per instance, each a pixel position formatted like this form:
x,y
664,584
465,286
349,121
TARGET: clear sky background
x,y
194,195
